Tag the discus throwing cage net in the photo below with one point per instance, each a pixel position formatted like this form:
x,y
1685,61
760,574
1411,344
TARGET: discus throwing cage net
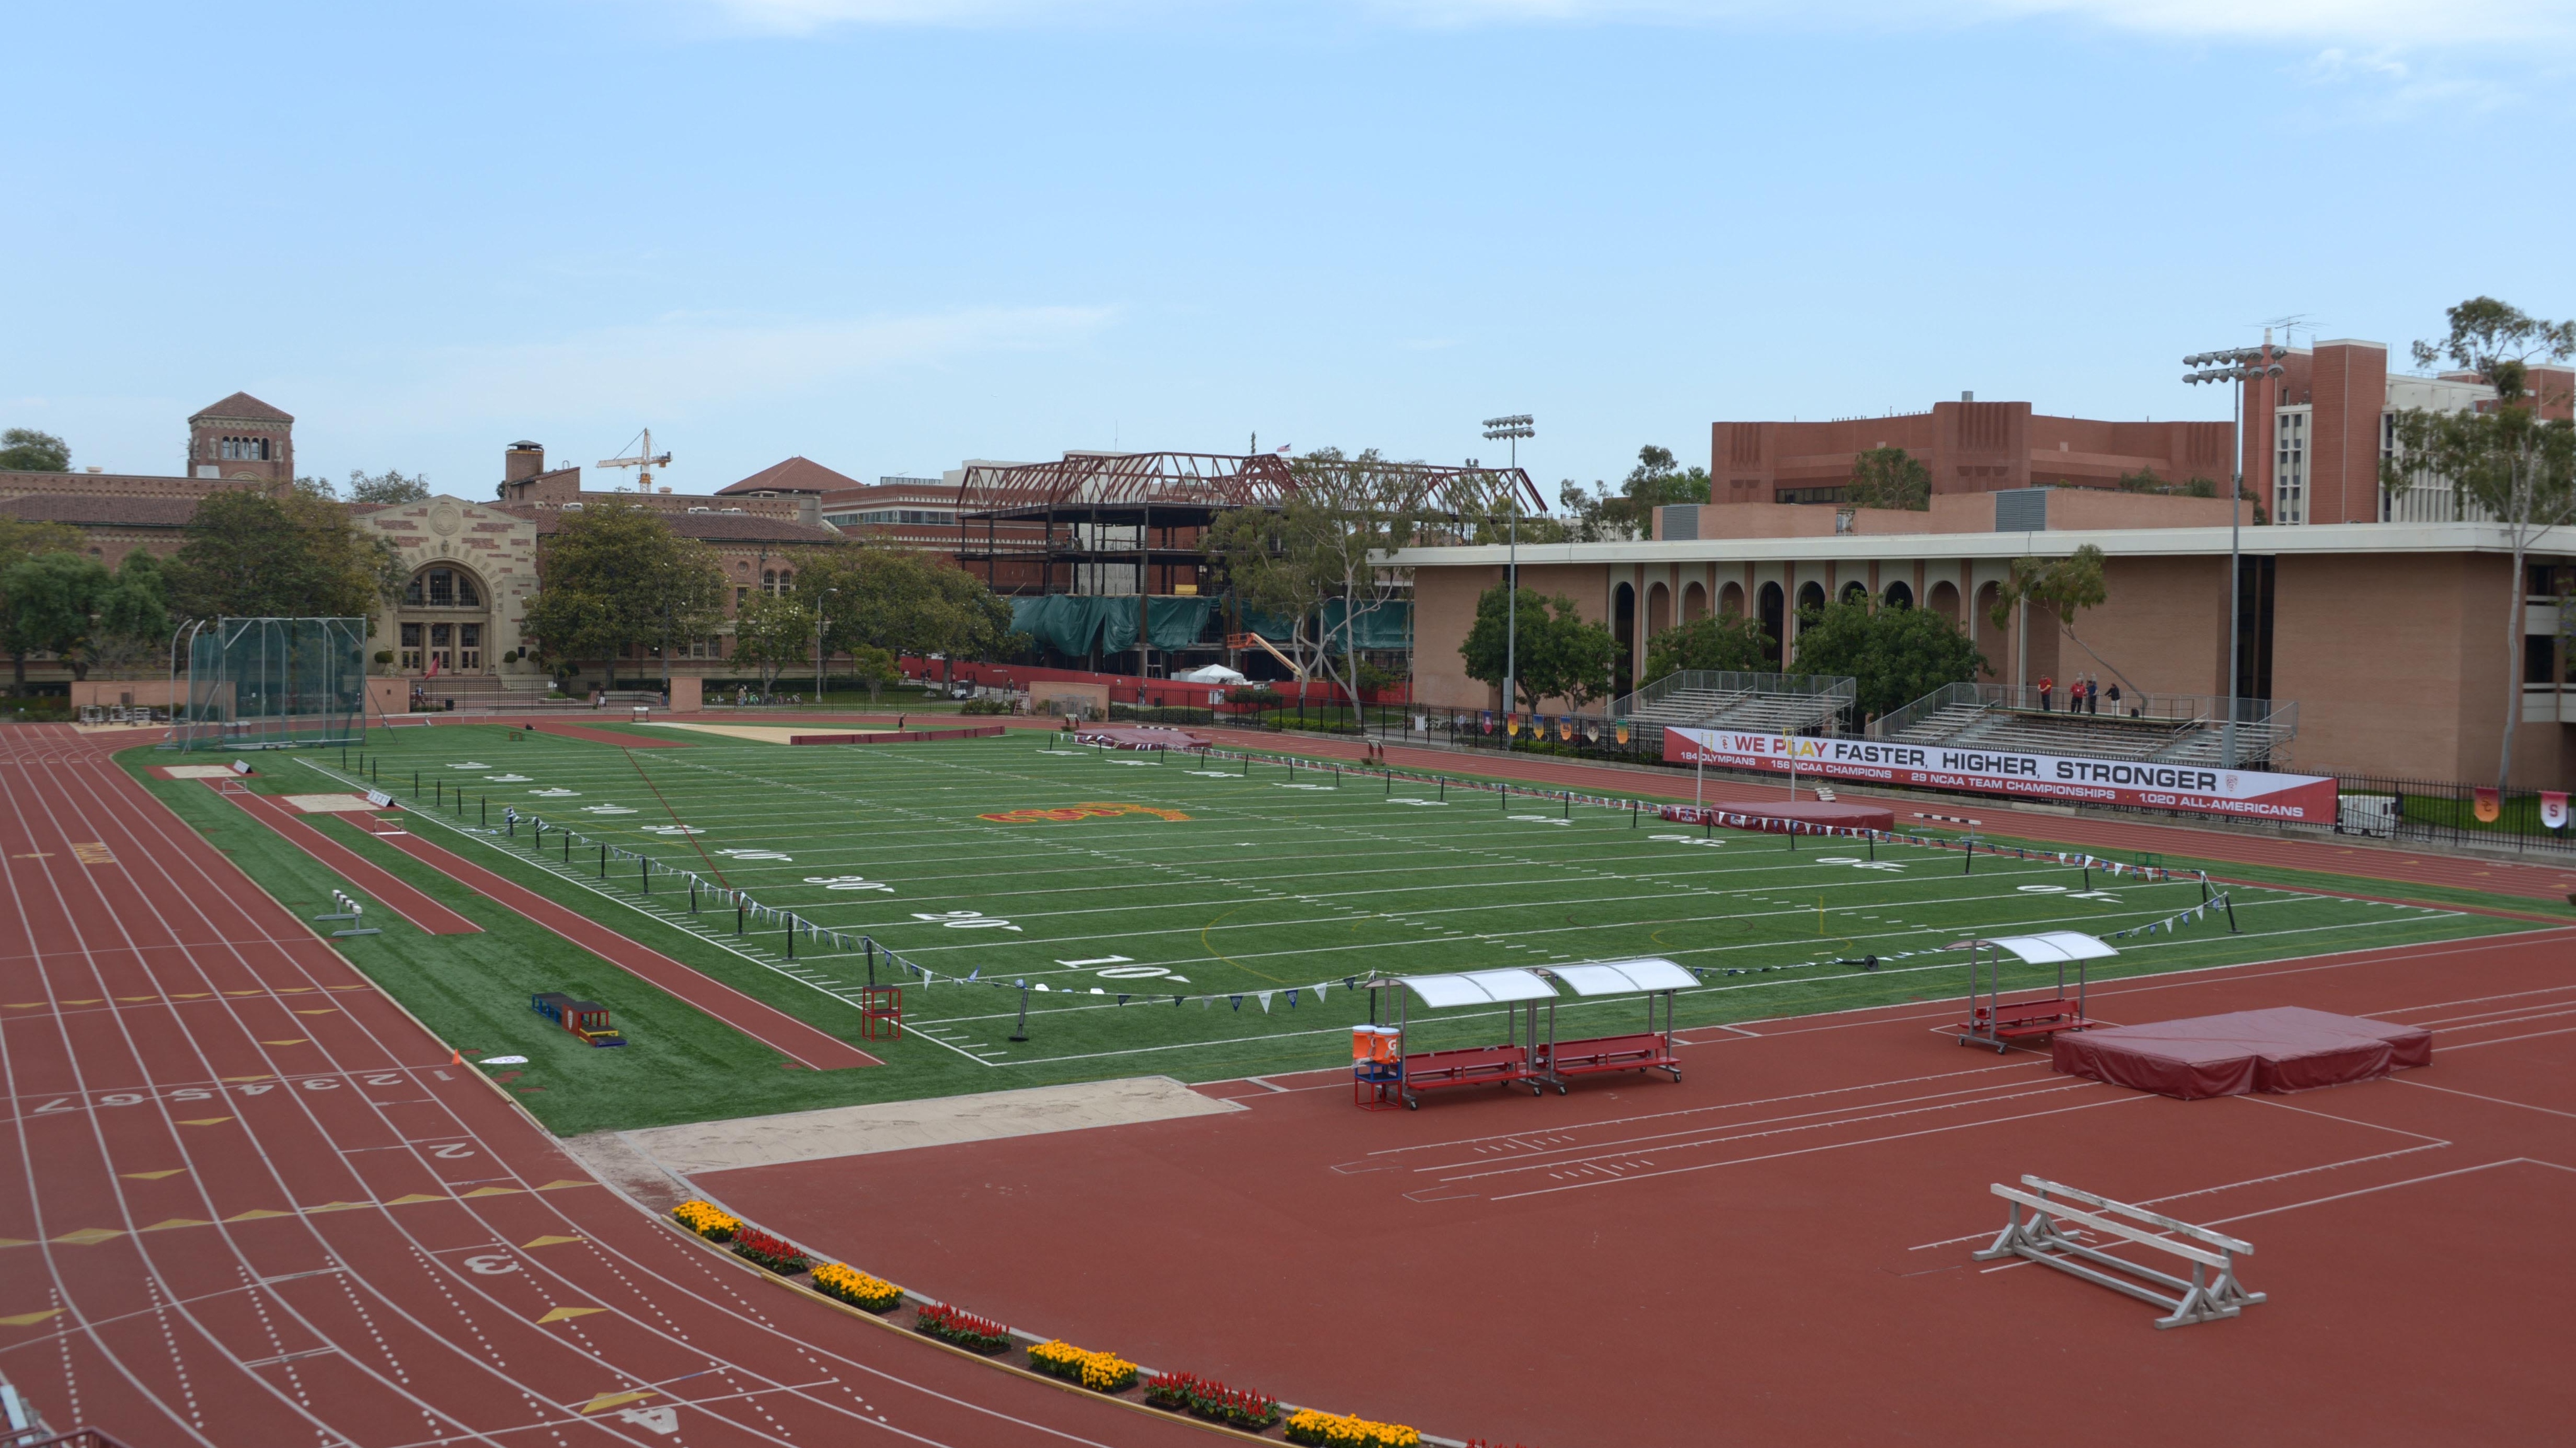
x,y
273,683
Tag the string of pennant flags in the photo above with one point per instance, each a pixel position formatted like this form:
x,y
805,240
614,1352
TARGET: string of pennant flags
x,y
752,912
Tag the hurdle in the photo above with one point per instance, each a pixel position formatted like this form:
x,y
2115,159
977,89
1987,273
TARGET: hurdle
x,y
2203,1298
343,907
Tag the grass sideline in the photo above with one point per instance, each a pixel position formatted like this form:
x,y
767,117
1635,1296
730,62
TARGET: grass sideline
x,y
1275,880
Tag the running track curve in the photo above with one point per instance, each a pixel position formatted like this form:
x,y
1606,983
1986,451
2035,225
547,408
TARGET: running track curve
x,y
252,1203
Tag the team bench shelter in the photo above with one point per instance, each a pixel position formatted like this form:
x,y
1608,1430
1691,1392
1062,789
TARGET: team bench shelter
x,y
586,1019
1386,1071
1994,1021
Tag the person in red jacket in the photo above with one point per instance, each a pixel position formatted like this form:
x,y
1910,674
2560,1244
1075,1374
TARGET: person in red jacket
x,y
2047,686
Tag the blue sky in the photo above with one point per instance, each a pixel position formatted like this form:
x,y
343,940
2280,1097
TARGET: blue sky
x,y
889,234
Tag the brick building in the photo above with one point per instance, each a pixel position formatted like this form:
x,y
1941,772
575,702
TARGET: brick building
x,y
2386,638
2316,435
1969,446
470,564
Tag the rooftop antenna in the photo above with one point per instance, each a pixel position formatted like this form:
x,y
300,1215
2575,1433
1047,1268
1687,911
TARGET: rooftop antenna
x,y
642,460
2287,325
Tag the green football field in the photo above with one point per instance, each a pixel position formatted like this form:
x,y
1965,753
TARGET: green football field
x,y
1209,927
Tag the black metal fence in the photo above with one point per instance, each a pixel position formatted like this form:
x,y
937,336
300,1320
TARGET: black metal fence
x,y
2445,812
2430,811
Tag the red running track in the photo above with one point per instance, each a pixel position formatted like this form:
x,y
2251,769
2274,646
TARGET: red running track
x,y
251,1204
798,1041
390,890
1776,1249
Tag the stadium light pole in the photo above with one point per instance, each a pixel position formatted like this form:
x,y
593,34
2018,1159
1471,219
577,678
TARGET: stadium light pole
x,y
1514,428
818,646
2236,366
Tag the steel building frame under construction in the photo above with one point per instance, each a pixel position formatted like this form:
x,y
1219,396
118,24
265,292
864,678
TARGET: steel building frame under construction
x,y
1134,524
1058,513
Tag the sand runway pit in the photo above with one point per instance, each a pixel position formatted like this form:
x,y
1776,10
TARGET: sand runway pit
x,y
764,733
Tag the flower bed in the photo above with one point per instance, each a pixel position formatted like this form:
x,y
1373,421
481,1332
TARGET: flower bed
x,y
761,1249
707,1220
1099,1371
1338,1430
964,1329
855,1287
1207,1398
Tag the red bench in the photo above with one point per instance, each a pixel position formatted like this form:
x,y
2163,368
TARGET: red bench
x,y
2013,1020
1647,1052
1472,1066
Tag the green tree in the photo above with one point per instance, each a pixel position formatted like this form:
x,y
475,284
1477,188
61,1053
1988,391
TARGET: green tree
x,y
1658,480
134,616
2063,587
1889,477
53,601
20,541
615,577
1720,642
772,633
898,601
2512,462
1316,550
23,449
253,555
1558,654
1896,655
2144,480
389,486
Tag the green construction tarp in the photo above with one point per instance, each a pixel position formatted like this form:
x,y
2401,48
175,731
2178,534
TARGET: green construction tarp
x,y
1387,626
1076,626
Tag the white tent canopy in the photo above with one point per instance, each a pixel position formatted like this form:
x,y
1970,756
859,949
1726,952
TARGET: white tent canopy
x,y
2055,947
1478,987
1211,674
1624,977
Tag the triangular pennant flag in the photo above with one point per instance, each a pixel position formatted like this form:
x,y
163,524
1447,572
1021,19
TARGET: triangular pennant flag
x,y
1176,1002
970,975
1122,1000
1238,1001
1320,988
1292,997
1265,1002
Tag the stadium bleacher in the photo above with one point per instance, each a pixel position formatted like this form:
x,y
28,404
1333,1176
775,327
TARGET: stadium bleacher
x,y
1753,703
2163,729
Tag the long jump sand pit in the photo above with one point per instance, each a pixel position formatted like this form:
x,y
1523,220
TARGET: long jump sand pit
x,y
805,1136
763,733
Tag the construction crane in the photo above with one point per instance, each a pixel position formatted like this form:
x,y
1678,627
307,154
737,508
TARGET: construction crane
x,y
642,460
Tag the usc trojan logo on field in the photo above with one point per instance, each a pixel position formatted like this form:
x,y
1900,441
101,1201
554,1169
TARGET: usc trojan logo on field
x,y
1070,813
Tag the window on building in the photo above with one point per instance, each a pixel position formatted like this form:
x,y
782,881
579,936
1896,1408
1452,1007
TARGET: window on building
x,y
442,588
246,449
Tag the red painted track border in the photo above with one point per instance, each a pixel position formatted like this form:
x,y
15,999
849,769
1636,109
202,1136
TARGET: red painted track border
x,y
389,889
797,1040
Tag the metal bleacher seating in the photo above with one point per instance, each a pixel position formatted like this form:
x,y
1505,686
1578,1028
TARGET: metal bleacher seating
x,y
2163,729
1753,703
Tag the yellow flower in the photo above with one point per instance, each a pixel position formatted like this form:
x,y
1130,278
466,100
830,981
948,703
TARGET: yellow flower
x,y
851,1285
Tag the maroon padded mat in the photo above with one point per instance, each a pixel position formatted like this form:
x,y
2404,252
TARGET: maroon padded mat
x,y
2286,1048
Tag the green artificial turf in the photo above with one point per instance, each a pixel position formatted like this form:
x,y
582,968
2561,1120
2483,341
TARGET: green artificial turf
x,y
1273,881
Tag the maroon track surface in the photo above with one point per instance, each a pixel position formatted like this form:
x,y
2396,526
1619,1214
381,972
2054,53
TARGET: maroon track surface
x,y
390,890
2543,881
798,1041
253,1205
1776,1249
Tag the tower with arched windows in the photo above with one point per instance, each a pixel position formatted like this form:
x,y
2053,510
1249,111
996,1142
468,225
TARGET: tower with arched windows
x,y
242,439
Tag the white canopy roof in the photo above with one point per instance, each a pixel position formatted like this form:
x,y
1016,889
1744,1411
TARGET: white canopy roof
x,y
1211,674
2052,947
1478,987
1619,977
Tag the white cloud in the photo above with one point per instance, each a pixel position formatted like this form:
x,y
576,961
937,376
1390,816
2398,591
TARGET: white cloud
x,y
692,361
2344,23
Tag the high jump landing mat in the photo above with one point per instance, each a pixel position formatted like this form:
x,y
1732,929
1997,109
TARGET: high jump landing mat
x,y
2286,1048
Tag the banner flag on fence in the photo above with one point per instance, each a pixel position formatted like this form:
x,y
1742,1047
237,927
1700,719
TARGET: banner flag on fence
x,y
2490,805
2553,809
